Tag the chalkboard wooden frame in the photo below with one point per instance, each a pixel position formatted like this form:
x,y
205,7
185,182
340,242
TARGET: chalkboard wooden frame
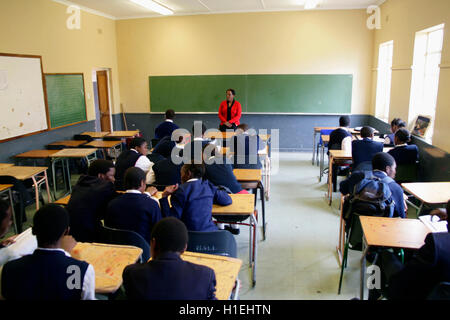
x,y
85,103
45,95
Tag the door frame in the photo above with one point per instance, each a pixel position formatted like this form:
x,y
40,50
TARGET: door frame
x,y
108,78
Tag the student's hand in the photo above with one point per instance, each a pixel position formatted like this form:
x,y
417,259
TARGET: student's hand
x,y
68,243
8,241
169,190
441,213
228,124
152,190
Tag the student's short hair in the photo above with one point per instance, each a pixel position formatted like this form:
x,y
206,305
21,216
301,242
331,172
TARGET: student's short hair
x,y
100,167
170,234
133,178
4,206
344,121
197,170
403,135
195,125
367,132
170,114
49,224
381,160
243,127
398,122
137,142
401,124
232,91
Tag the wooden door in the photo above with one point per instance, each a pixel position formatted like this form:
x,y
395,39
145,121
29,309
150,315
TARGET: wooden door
x,y
103,101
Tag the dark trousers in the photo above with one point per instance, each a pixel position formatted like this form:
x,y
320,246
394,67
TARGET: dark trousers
x,y
224,128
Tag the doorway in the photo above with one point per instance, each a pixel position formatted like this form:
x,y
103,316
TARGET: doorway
x,y
102,94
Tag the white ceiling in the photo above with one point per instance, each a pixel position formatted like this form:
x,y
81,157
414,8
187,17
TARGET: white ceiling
x,y
124,9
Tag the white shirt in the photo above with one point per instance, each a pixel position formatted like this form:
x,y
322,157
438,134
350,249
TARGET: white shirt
x,y
169,120
346,144
88,290
146,193
147,166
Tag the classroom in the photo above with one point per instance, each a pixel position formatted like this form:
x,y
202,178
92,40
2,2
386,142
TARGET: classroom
x,y
110,69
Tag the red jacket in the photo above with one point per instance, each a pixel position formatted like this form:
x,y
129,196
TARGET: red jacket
x,y
236,110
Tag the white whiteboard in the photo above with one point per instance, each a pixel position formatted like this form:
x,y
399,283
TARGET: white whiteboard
x,y
22,102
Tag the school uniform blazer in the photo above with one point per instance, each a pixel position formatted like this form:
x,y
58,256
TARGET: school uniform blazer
x,y
364,150
167,173
135,212
245,148
236,111
347,186
87,206
165,129
427,268
168,277
192,203
405,154
221,174
164,146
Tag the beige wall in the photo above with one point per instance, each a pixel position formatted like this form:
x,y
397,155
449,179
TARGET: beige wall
x,y
330,42
38,27
400,20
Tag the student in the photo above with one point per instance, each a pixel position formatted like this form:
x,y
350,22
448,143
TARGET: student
x,y
383,165
5,222
167,173
403,153
230,112
246,145
341,138
396,124
136,156
429,266
192,151
167,127
135,210
45,274
89,200
167,276
364,150
192,201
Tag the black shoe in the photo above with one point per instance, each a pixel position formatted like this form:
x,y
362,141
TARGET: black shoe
x,y
232,230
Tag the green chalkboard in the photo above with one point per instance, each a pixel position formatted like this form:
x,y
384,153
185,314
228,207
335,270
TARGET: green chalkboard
x,y
66,99
257,93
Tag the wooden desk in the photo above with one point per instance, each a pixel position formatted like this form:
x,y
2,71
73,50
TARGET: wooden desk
x,y
63,201
7,188
37,174
64,155
108,261
219,135
6,165
225,268
105,145
325,140
95,135
244,205
123,134
390,233
248,175
35,155
68,143
428,193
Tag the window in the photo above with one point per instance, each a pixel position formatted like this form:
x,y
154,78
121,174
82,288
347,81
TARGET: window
x,y
425,75
384,80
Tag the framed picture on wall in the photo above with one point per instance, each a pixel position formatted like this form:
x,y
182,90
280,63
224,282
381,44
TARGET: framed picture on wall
x,y
421,126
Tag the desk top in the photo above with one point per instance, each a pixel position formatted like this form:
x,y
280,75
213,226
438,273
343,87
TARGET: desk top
x,y
243,204
248,174
6,165
103,144
73,153
108,262
123,134
63,201
68,143
347,154
219,135
36,154
225,268
429,192
325,138
96,135
4,187
22,172
394,232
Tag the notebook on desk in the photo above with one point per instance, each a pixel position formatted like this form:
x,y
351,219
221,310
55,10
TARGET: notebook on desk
x,y
25,243
434,224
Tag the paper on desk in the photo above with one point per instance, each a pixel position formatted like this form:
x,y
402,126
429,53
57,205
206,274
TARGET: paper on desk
x,y
433,223
25,243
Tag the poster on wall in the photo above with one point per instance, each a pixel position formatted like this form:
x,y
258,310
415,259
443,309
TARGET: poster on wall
x,y
421,126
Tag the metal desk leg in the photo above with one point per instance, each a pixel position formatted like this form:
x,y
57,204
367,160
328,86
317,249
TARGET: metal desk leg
x,y
12,210
330,179
263,205
254,250
322,160
363,268
314,146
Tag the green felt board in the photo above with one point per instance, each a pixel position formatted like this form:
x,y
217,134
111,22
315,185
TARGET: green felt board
x,y
256,93
66,101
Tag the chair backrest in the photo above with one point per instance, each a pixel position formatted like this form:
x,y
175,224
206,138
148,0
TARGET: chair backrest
x,y
83,137
440,292
220,242
125,237
406,173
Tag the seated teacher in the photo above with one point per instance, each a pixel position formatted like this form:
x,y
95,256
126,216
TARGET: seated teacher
x,y
229,112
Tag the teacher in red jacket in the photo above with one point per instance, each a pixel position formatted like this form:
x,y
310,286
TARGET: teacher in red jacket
x,y
229,112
